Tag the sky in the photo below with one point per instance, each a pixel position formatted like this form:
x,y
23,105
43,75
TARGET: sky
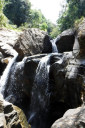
x,y
49,8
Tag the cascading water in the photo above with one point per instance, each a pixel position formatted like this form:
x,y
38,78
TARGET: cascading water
x,y
40,94
13,91
40,100
5,76
54,47
39,116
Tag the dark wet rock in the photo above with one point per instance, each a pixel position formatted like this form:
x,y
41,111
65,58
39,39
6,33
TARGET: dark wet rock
x,y
47,46
66,84
65,41
33,41
2,67
73,118
2,64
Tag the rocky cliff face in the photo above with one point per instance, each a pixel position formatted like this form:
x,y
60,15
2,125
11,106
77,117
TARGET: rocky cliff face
x,y
74,118
60,83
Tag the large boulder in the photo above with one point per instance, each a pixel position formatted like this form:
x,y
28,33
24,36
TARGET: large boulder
x,y
66,83
73,118
65,41
29,42
8,40
33,41
9,117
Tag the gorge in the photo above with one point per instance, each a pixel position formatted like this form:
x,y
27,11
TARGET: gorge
x,y
44,77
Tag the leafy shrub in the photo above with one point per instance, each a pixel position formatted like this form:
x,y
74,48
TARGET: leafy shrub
x,y
3,20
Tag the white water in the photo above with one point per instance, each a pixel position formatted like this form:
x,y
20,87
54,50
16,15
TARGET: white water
x,y
40,94
42,79
14,85
54,47
4,77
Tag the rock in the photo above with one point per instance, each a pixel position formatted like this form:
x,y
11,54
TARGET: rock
x,y
81,38
65,41
66,83
74,118
9,116
2,64
8,39
2,117
76,48
33,41
2,67
22,117
6,60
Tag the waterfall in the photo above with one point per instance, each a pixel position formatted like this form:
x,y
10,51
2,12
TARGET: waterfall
x,y
5,76
40,94
54,47
14,87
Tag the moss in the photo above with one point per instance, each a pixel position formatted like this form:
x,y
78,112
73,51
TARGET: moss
x,y
78,22
22,118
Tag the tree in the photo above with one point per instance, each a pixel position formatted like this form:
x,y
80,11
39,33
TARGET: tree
x,y
75,9
17,11
3,19
36,18
1,5
50,26
55,32
44,26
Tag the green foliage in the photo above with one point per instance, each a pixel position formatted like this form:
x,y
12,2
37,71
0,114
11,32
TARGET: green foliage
x,y
21,15
50,27
73,11
3,20
36,18
17,11
1,6
44,26
78,21
55,32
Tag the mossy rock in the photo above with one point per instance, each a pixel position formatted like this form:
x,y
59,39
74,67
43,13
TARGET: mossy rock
x,y
22,117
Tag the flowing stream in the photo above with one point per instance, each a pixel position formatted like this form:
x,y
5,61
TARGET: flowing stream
x,y
14,91
40,95
5,76
40,99
54,47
